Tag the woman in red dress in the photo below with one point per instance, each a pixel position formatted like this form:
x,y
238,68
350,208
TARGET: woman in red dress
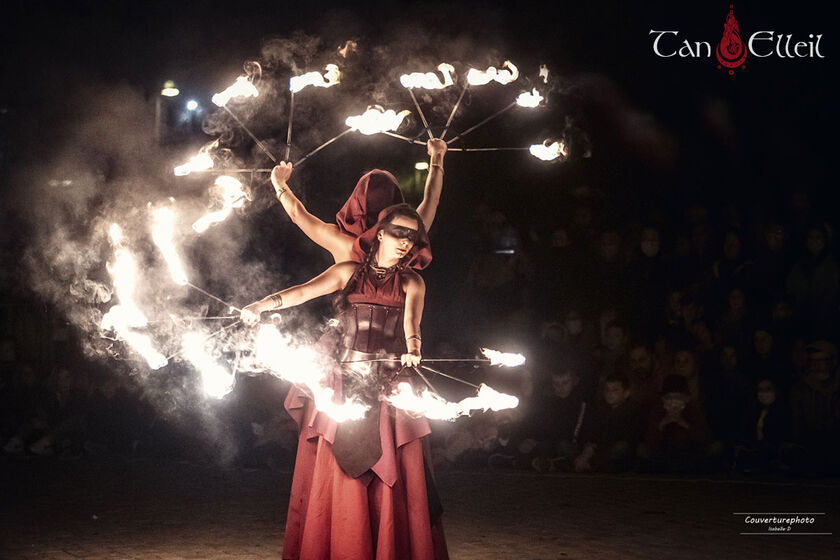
x,y
361,489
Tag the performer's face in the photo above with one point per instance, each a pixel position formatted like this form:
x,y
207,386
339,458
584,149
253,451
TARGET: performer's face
x,y
397,237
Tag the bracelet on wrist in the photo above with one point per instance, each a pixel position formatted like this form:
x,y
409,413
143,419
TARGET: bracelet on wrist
x,y
276,301
280,192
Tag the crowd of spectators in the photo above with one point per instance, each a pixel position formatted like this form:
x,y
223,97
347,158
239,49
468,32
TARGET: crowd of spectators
x,y
699,341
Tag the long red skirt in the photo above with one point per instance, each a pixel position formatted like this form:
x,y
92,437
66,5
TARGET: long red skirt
x,y
335,517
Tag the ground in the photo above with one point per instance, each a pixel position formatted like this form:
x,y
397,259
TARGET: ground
x,y
98,509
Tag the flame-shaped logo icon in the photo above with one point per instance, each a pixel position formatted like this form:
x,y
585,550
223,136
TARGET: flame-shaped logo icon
x,y
731,52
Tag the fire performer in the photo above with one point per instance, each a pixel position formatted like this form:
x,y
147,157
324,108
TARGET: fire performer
x,y
375,190
362,489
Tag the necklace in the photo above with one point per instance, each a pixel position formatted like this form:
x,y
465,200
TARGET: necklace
x,y
381,272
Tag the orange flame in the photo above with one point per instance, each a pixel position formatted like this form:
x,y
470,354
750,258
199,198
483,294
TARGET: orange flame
x,y
125,316
242,87
529,99
162,234
376,119
232,197
200,162
330,78
507,74
429,80
548,152
503,358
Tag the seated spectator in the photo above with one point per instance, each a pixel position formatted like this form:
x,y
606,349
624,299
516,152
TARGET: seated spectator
x,y
733,328
814,284
687,366
766,362
645,375
612,356
611,433
765,432
815,403
550,434
678,438
728,389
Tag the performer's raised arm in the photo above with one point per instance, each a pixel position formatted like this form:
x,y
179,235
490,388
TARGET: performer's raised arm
x,y
434,182
326,235
415,293
329,281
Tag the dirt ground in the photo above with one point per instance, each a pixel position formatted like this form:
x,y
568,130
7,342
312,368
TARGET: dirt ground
x,y
53,508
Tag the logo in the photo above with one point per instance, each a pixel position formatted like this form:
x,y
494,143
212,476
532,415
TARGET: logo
x,y
731,51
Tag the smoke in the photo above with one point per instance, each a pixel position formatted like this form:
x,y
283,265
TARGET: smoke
x,y
108,168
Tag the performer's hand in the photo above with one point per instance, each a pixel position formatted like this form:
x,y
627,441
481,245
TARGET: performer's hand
x,y
251,314
436,146
411,359
280,174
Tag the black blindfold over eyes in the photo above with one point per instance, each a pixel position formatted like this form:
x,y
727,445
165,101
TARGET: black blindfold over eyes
x,y
401,232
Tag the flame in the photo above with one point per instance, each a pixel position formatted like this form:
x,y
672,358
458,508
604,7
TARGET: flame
x,y
509,73
544,73
349,47
502,358
200,162
531,99
429,80
435,407
241,88
115,234
548,152
162,235
301,365
232,197
427,403
216,380
488,399
330,78
376,119
125,316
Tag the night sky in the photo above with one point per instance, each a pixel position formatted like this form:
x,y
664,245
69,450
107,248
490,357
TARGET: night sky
x,y
81,78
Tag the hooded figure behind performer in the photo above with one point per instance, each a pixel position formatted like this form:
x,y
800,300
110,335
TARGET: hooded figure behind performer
x,y
375,191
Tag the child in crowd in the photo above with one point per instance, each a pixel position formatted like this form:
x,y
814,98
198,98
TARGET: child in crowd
x,y
613,430
678,437
552,429
765,432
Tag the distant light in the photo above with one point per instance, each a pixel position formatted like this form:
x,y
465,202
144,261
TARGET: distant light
x,y
192,105
421,166
169,89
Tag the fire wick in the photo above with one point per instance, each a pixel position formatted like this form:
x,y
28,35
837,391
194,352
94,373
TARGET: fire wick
x,y
208,294
321,147
291,119
454,110
419,110
491,117
262,146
